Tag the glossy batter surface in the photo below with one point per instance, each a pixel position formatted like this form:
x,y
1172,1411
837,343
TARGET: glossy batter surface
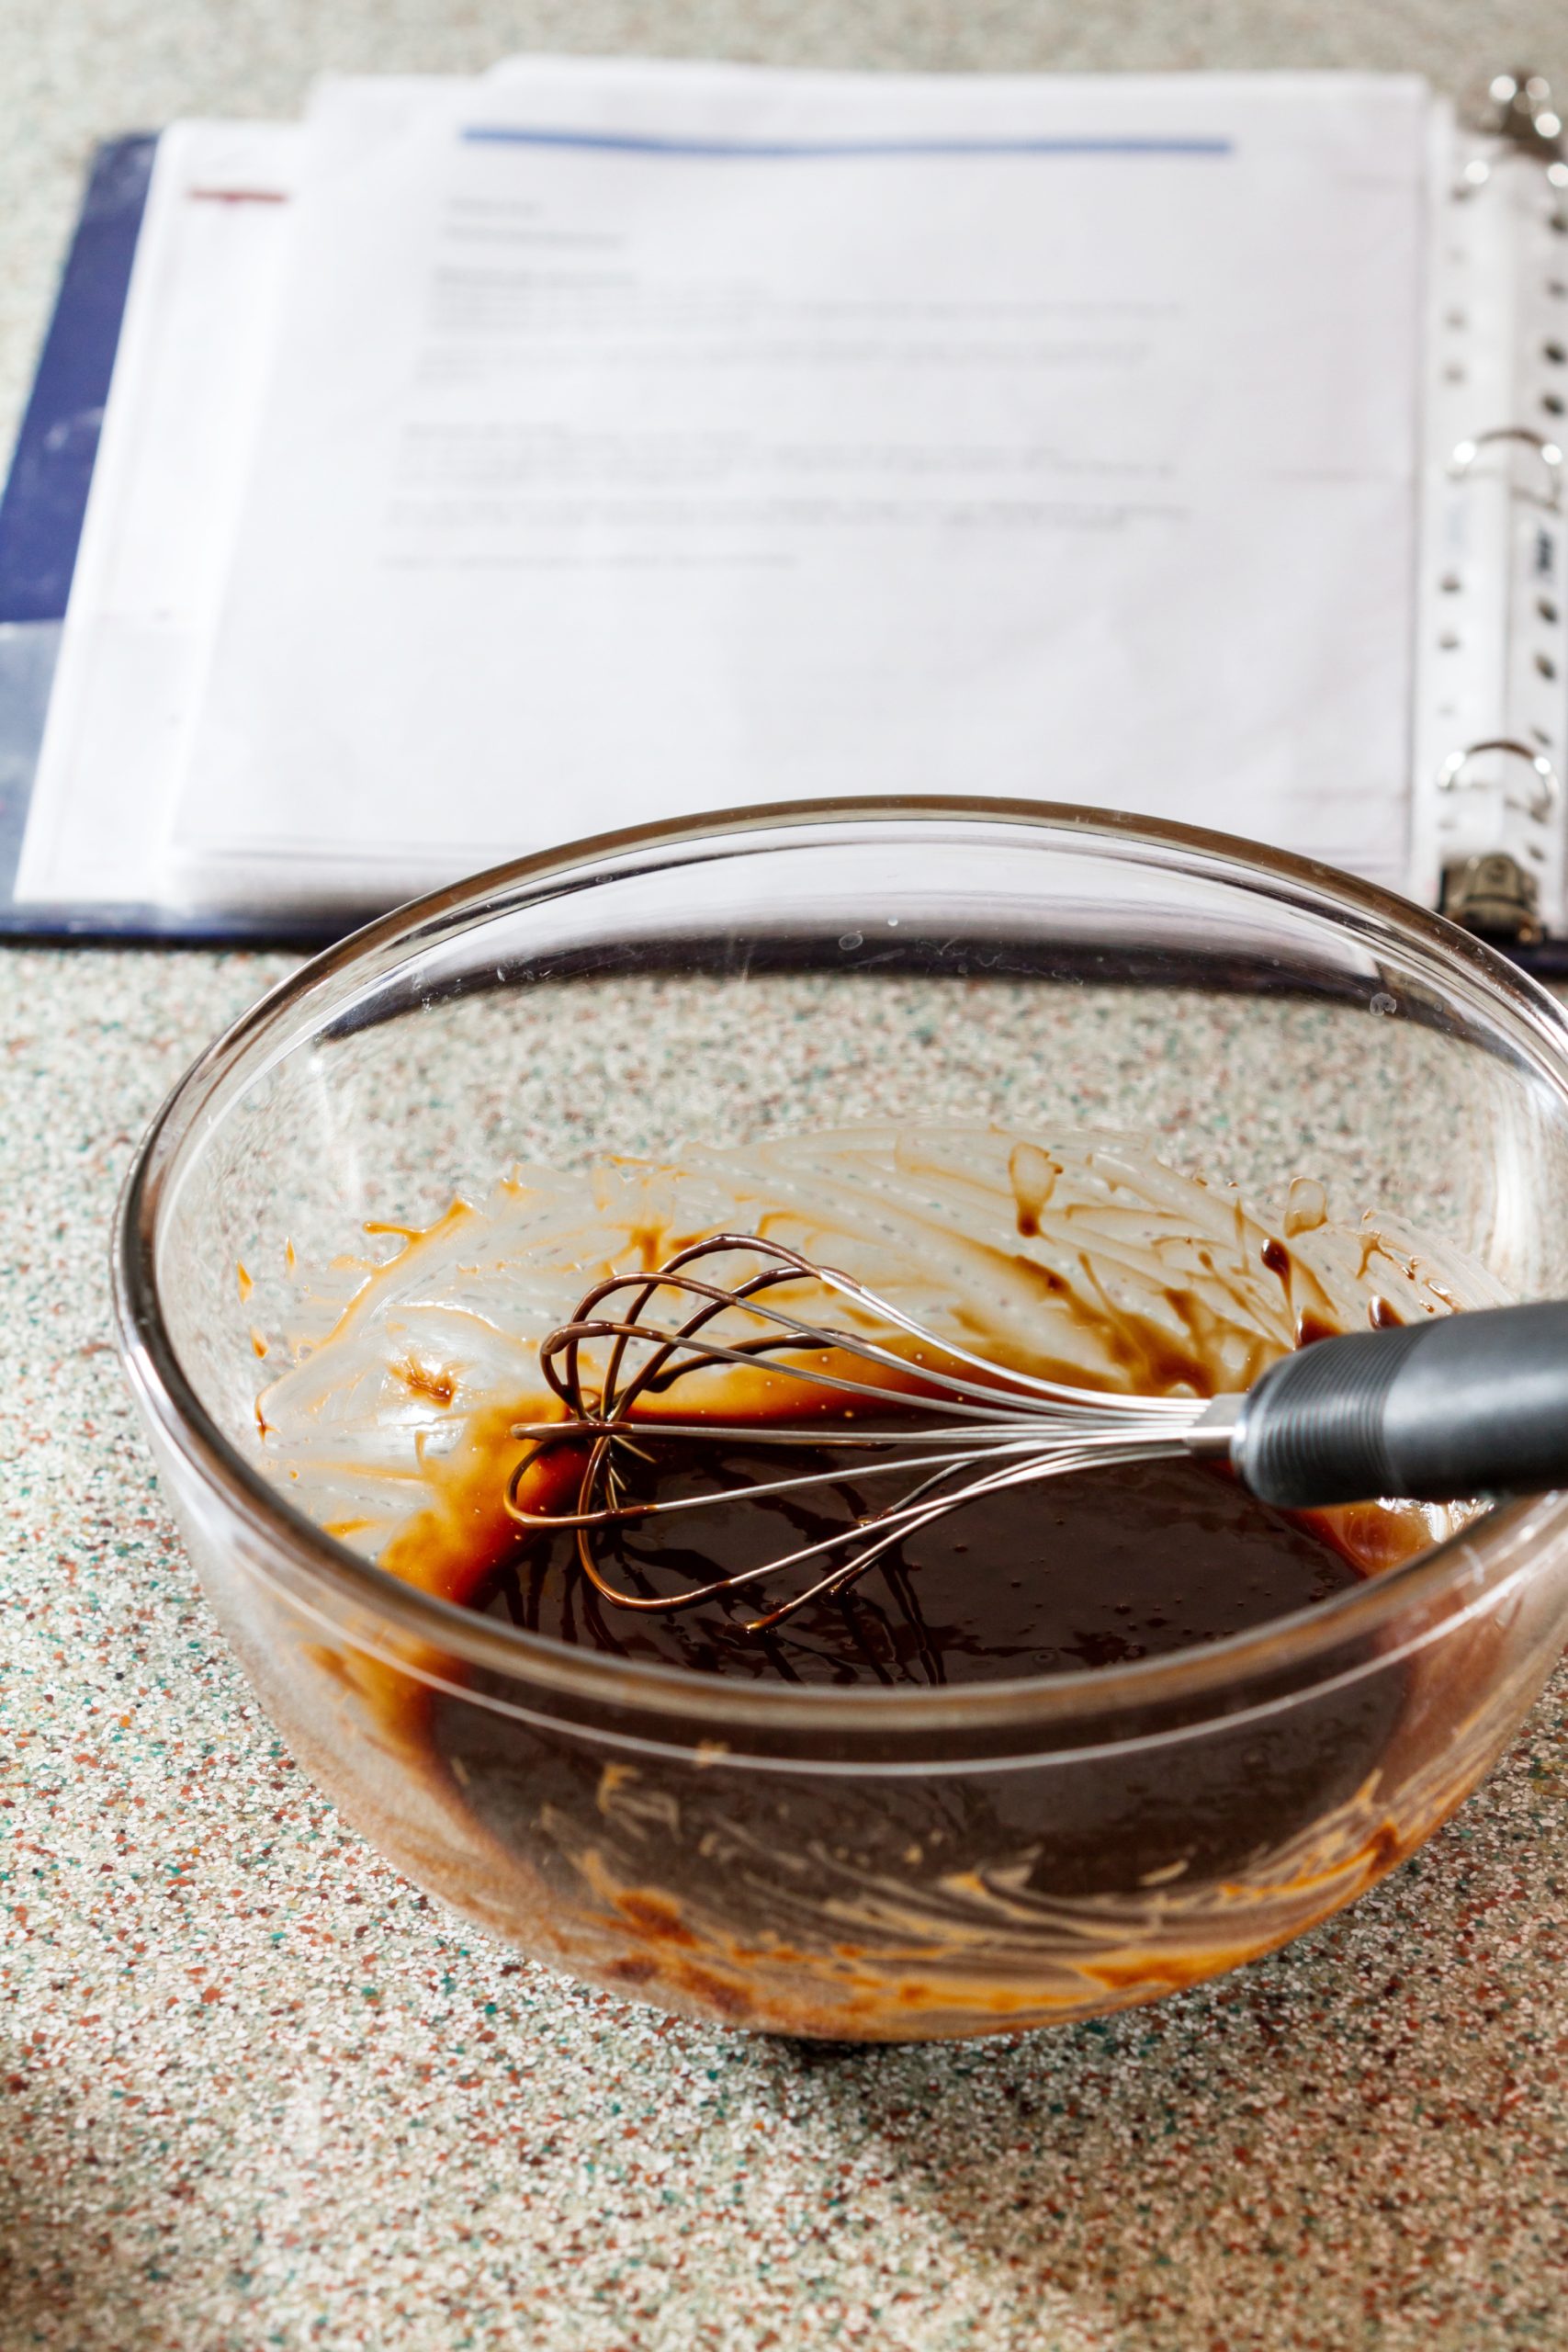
x,y
1093,1570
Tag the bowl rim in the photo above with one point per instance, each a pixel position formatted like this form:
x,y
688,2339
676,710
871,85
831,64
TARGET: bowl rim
x,y
1282,1647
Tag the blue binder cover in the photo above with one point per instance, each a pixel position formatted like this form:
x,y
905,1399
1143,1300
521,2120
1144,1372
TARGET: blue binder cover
x,y
46,496
41,529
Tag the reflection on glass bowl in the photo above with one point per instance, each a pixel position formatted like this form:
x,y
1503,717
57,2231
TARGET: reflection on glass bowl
x,y
859,1862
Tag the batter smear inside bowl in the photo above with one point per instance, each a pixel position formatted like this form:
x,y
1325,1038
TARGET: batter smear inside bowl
x,y
732,1855
1080,1258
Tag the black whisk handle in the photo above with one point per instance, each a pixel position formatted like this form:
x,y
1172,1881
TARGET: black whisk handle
x,y
1463,1404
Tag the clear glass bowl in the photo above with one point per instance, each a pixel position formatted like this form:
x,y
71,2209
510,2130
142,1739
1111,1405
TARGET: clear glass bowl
x,y
861,1864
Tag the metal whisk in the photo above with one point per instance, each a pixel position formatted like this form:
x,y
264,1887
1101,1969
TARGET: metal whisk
x,y
973,1433
1441,1410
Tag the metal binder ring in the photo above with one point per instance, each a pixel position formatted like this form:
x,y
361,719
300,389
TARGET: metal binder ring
x,y
1453,778
1465,453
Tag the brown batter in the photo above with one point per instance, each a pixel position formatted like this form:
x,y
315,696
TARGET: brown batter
x,y
1089,1571
816,1898
1096,1569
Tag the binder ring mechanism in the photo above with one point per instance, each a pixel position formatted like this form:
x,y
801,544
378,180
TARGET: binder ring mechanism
x,y
1451,776
1465,453
1493,893
1518,109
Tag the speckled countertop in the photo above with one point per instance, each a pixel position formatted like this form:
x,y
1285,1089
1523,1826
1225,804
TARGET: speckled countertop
x,y
259,2092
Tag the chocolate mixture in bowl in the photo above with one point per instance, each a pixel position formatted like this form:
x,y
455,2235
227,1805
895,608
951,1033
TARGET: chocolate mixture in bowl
x,y
1082,1259
1078,1259
1096,1568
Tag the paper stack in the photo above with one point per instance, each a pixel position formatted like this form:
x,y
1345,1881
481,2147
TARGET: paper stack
x,y
491,462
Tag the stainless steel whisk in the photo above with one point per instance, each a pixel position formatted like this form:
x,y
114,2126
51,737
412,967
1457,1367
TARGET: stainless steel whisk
x,y
1442,1411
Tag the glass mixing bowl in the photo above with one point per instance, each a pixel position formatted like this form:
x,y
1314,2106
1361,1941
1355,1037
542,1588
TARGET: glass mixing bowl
x,y
861,1864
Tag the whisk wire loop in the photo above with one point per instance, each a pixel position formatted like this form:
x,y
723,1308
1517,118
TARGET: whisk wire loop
x,y
981,1435
1023,1389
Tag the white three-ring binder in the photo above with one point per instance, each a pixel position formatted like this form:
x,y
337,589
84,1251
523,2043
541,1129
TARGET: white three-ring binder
x,y
599,441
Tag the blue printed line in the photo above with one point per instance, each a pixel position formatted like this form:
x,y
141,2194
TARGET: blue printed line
x,y
620,143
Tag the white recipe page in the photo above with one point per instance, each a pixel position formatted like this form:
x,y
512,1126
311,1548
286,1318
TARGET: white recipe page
x,y
183,410
649,440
